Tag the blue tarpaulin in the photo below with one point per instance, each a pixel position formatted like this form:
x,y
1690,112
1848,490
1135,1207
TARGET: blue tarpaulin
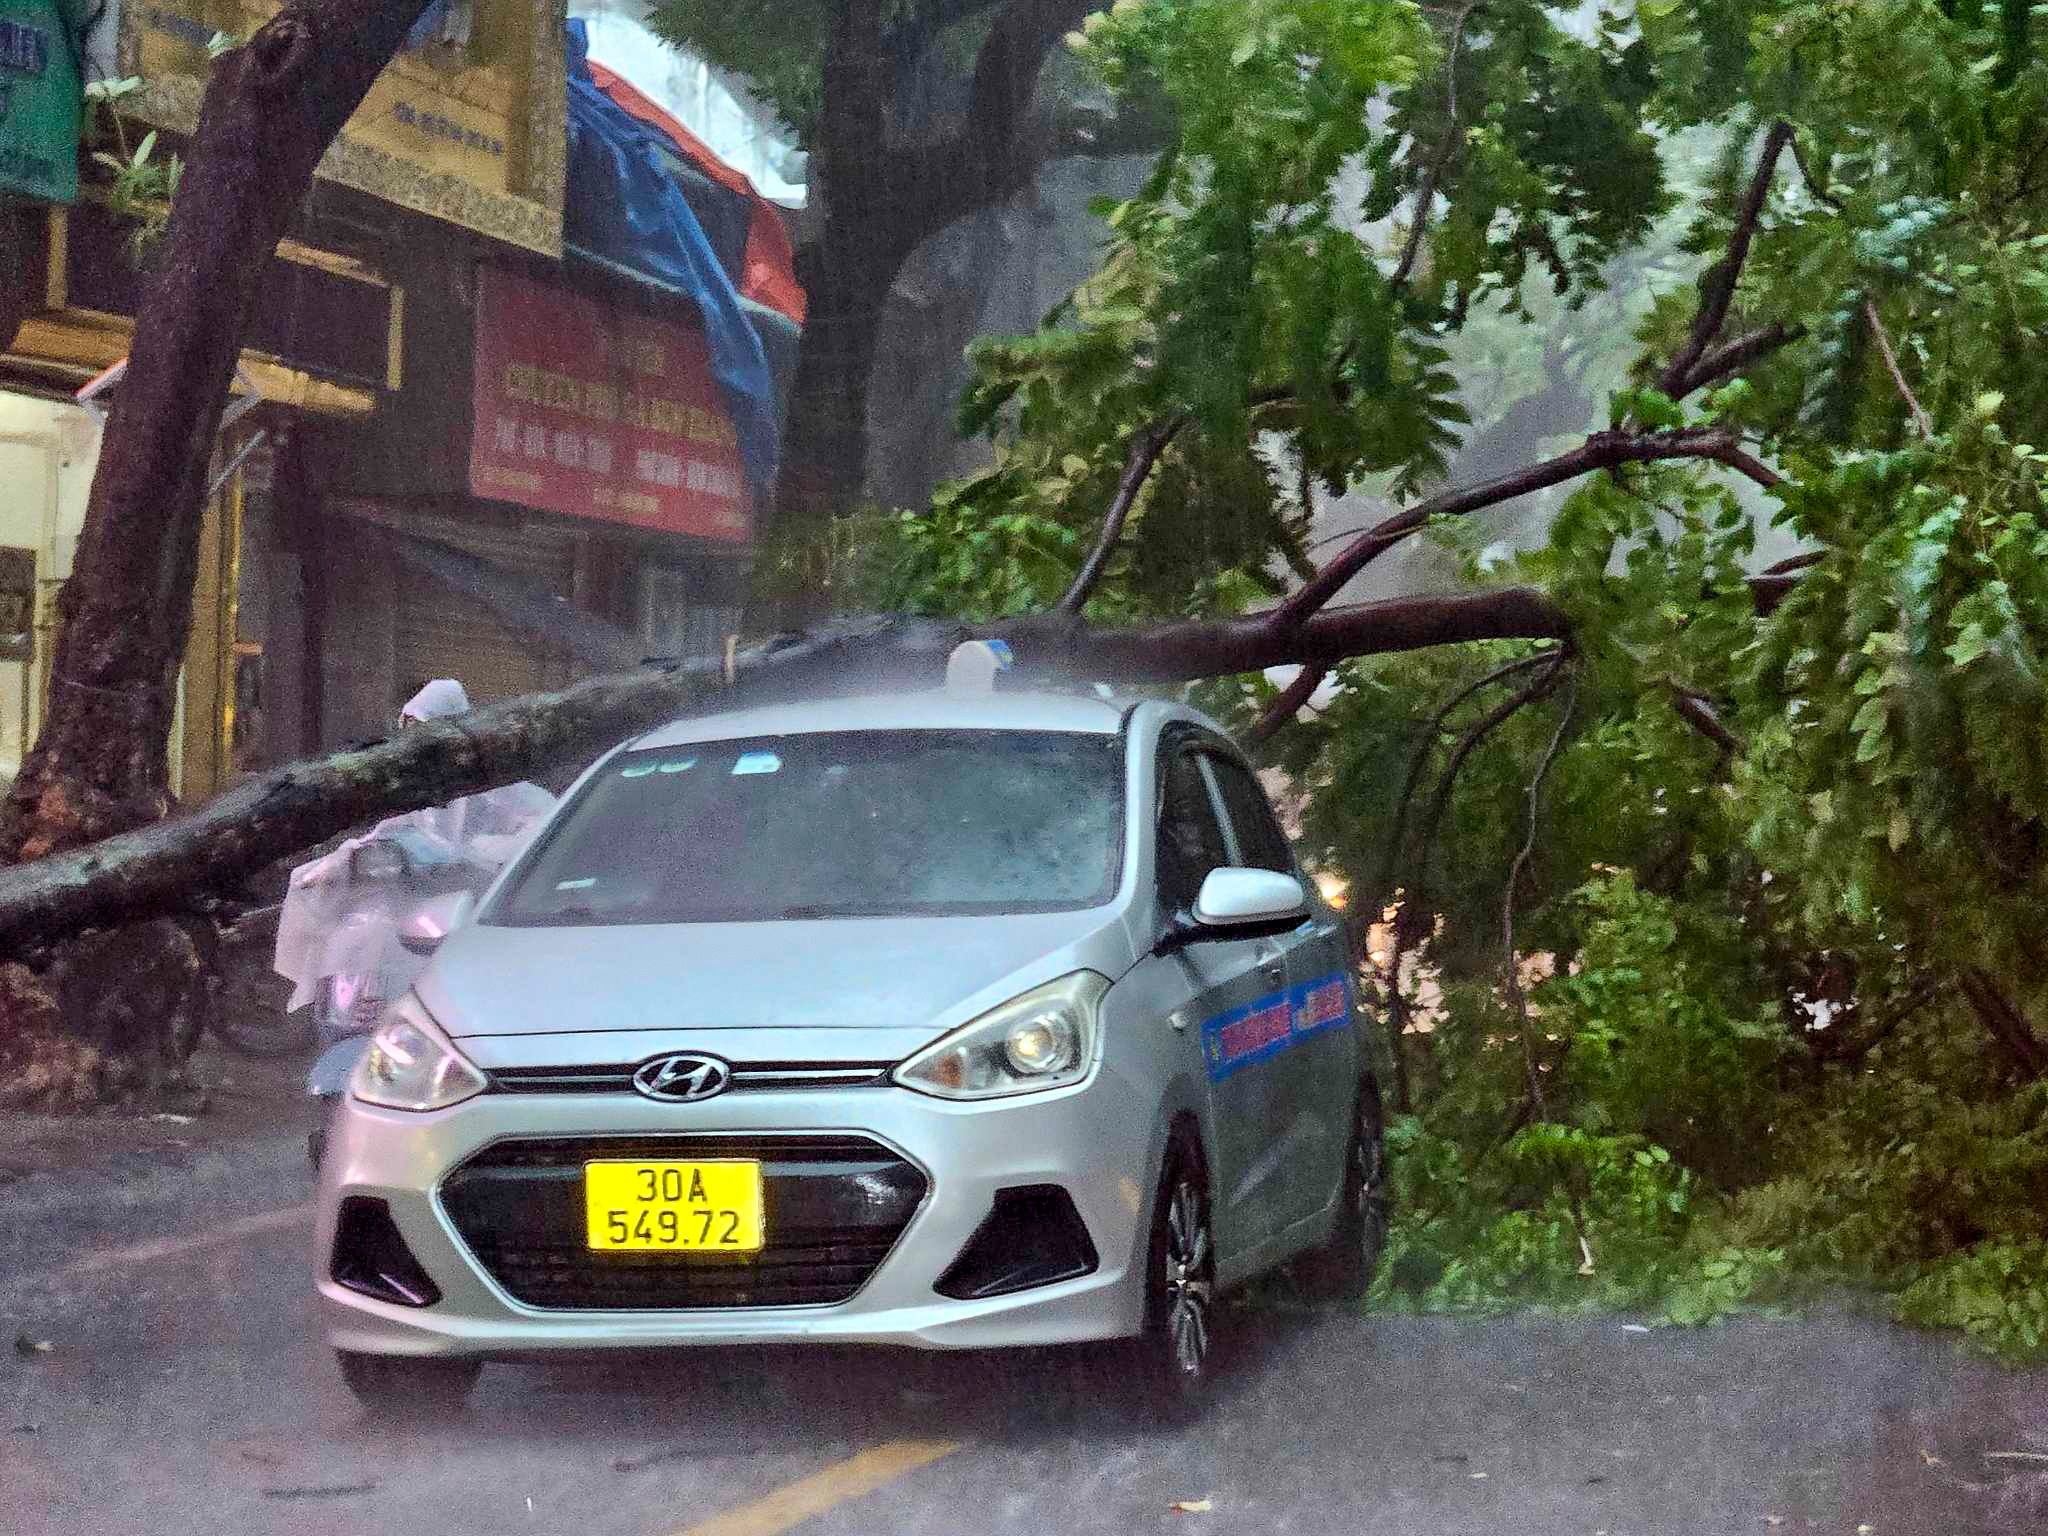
x,y
623,205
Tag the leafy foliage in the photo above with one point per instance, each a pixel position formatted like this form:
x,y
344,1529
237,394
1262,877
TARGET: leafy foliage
x,y
1786,862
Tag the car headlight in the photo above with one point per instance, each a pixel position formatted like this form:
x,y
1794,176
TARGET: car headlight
x,y
412,1065
1045,1039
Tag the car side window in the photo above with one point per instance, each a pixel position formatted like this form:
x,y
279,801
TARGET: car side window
x,y
1261,844
1191,841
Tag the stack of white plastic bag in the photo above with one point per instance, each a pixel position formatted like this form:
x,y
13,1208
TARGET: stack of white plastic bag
x,y
333,925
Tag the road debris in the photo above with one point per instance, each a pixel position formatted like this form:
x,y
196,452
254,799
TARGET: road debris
x,y
1192,1506
29,1348
324,1491
262,1458
1929,1459
670,1453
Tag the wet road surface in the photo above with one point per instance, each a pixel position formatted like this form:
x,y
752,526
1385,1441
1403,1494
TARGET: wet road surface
x,y
184,1390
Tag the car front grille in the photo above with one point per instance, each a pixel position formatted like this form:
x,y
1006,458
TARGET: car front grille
x,y
835,1206
753,1077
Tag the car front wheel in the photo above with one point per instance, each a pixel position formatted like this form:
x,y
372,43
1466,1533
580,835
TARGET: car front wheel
x,y
1174,1352
1342,1269
399,1386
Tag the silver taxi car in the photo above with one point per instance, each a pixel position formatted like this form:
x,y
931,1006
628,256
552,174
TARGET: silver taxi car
x,y
952,1020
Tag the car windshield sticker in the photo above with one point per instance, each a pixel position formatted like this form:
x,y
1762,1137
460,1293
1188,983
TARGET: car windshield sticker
x,y
576,885
1271,1024
756,762
679,765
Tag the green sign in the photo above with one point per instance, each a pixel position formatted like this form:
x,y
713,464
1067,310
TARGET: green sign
x,y
39,102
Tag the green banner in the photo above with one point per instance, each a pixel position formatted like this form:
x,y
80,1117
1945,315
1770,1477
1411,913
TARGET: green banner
x,y
39,102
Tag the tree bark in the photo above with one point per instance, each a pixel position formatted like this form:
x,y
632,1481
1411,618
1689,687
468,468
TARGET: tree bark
x,y
825,446
2006,1025
160,870
100,764
883,199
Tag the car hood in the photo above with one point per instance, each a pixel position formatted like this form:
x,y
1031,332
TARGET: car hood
x,y
893,974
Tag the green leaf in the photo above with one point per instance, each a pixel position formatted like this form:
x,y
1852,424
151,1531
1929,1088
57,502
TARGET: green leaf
x,y
1969,645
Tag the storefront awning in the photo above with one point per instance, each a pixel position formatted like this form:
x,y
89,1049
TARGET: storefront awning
x,y
625,205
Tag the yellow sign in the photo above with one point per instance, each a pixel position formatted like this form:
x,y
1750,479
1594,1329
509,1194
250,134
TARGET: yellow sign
x,y
466,124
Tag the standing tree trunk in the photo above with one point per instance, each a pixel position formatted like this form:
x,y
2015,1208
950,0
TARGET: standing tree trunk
x,y
825,452
883,198
118,1009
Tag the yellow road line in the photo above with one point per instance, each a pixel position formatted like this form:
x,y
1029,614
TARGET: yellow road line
x,y
852,1478
174,1247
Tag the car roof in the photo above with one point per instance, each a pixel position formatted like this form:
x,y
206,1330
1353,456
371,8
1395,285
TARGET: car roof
x,y
931,709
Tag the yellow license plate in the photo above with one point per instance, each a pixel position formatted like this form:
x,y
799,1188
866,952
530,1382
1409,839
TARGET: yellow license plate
x,y
671,1207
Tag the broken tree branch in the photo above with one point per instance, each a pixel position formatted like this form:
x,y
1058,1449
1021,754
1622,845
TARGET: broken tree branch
x,y
1453,134
2006,1025
1891,364
1771,588
1717,283
1602,450
1540,687
1732,357
1516,995
1736,459
1287,705
1427,744
1820,193
1697,711
1146,446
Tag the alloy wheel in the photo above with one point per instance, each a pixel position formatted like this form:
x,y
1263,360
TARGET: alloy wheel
x,y
1369,1188
1189,1290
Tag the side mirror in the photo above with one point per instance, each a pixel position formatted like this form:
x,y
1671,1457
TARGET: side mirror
x,y
422,933
1238,904
1232,899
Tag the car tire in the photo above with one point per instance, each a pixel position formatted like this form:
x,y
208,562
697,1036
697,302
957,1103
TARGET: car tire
x,y
1175,1353
1343,1268
398,1386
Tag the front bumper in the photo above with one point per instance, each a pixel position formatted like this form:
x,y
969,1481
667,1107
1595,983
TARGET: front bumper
x,y
1098,1141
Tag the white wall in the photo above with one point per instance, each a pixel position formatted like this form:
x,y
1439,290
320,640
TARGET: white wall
x,y
48,451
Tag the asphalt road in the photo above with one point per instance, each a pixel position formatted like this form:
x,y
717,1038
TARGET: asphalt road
x,y
185,1391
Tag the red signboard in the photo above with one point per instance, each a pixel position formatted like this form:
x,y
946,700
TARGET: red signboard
x,y
594,411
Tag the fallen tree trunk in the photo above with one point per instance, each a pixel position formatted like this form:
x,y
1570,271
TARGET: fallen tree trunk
x,y
166,867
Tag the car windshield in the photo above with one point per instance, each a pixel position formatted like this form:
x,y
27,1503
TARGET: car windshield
x,y
840,824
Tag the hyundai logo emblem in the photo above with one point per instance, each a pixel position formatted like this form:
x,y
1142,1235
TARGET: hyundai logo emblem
x,y
682,1079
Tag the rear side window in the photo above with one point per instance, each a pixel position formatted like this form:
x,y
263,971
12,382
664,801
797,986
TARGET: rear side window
x,y
1261,844
1191,841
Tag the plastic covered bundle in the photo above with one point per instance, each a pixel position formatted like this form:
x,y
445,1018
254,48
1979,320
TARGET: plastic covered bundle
x,y
343,911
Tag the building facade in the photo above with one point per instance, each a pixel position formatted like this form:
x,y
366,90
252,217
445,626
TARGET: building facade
x,y
475,433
